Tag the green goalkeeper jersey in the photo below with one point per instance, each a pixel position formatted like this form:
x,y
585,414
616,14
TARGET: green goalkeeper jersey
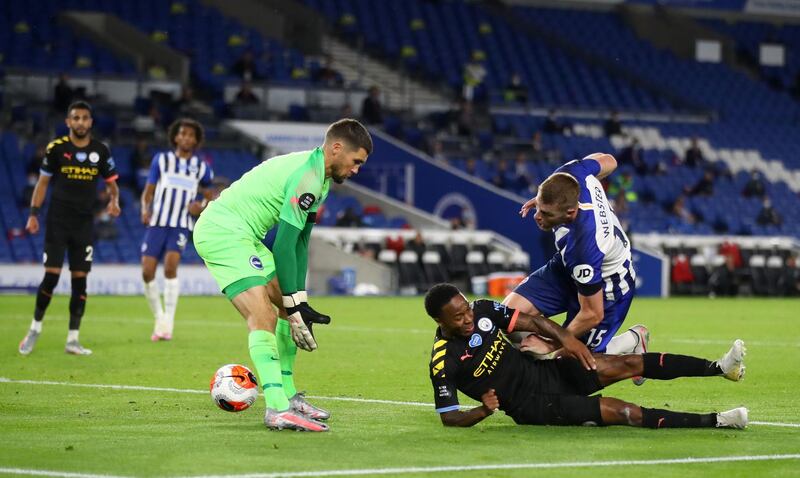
x,y
287,187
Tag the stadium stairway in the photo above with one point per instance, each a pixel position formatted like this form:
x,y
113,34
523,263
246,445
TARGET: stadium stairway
x,y
400,90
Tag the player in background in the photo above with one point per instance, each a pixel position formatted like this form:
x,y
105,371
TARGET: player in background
x,y
471,355
73,163
284,191
591,277
169,202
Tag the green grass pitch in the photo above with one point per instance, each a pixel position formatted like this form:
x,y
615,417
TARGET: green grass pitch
x,y
376,348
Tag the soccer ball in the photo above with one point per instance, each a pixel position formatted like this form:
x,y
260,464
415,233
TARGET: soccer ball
x,y
234,388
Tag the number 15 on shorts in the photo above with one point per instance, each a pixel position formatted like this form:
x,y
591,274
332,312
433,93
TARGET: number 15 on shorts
x,y
595,337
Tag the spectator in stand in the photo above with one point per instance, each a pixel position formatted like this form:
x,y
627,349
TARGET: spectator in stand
x,y
632,155
437,152
680,210
755,187
523,182
246,96
465,118
371,108
792,275
474,73
140,159
612,126
471,166
552,125
694,155
621,188
681,273
32,173
537,148
732,254
395,244
348,218
703,187
416,244
768,216
245,67
515,91
188,105
500,177
62,94
327,75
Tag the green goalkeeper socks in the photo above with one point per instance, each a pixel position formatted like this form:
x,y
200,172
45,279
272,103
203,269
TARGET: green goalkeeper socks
x,y
288,351
264,353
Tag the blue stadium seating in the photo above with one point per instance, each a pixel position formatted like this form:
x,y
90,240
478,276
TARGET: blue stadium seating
x,y
30,32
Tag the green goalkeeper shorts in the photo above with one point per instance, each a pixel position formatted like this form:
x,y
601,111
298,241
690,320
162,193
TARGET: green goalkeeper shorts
x,y
236,260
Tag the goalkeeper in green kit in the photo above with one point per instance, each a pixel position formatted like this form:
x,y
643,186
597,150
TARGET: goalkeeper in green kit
x,y
284,191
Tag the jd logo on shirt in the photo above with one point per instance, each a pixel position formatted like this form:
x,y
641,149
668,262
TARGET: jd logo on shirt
x,y
305,201
583,273
256,263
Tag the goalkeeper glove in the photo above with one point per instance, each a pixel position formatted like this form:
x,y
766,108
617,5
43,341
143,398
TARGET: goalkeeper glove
x,y
301,319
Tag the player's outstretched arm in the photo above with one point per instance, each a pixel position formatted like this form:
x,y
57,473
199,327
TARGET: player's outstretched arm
x,y
607,163
547,328
457,418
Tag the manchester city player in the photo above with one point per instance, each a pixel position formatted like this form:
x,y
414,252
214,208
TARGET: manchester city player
x,y
471,355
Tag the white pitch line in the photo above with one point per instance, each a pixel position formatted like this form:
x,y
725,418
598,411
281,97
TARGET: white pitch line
x,y
776,424
62,474
441,469
317,397
758,343
510,466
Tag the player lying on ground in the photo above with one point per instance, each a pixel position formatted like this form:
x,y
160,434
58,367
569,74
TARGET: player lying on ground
x,y
470,354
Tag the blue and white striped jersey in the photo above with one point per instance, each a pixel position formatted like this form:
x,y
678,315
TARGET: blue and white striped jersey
x,y
177,180
594,248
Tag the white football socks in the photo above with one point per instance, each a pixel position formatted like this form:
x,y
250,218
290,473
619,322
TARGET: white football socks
x,y
72,336
171,293
153,296
36,325
623,343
